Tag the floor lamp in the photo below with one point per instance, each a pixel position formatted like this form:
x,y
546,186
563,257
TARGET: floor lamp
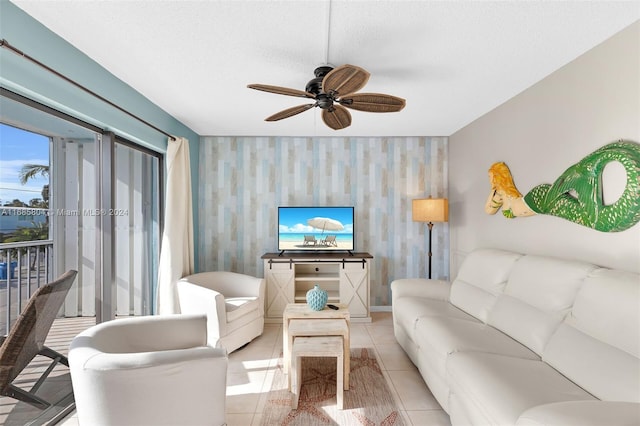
x,y
430,210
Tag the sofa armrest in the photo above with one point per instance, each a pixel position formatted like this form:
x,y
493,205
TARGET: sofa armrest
x,y
582,413
195,299
420,287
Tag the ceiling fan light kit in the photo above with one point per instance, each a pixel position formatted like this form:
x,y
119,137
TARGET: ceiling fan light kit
x,y
333,89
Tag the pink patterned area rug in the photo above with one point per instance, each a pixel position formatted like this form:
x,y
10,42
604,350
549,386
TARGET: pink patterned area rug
x,y
367,402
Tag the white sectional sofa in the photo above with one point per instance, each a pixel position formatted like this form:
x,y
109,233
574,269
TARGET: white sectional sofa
x,y
526,340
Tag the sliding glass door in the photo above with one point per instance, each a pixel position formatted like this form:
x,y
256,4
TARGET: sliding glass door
x,y
72,197
76,231
103,211
136,215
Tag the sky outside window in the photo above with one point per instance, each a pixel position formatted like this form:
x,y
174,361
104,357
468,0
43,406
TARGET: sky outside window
x,y
17,148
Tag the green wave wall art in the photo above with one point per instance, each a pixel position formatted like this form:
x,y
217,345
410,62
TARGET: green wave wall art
x,y
577,194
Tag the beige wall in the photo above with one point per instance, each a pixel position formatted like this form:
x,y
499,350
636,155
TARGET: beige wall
x,y
588,103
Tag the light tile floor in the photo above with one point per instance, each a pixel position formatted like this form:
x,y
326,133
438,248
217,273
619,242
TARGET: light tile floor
x,y
251,371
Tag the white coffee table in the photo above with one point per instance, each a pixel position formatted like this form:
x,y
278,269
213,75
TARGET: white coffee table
x,y
300,320
317,346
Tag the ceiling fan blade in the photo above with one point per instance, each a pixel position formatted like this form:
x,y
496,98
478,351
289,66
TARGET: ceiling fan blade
x,y
289,112
373,102
345,79
336,117
281,90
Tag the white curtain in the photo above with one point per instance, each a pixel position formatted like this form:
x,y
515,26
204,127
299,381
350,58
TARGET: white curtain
x,y
176,254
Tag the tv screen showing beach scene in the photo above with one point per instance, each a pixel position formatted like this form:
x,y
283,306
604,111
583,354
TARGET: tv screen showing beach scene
x,y
315,228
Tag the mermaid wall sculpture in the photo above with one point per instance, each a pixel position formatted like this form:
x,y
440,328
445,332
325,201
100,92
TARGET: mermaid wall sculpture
x,y
504,194
577,194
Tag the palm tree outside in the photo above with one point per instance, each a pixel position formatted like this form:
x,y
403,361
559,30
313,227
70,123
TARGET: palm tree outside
x,y
17,223
30,171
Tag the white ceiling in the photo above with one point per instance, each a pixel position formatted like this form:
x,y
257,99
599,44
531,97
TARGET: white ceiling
x,y
453,61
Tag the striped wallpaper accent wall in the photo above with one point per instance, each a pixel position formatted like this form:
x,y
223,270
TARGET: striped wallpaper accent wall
x,y
244,179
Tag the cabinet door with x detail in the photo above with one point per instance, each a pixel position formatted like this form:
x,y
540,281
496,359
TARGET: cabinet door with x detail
x,y
280,288
354,288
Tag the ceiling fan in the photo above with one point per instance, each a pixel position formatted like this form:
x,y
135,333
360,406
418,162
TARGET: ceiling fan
x,y
333,90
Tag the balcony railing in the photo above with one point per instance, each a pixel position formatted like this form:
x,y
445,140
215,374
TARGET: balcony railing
x,y
24,267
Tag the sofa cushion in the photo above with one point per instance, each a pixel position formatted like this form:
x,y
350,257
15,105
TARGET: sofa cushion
x,y
582,413
598,344
498,388
608,309
407,311
441,336
481,278
538,294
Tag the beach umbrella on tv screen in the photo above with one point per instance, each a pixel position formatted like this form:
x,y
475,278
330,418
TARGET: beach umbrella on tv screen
x,y
325,223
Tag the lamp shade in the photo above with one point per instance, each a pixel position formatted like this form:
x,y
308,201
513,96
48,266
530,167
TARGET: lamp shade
x,y
430,210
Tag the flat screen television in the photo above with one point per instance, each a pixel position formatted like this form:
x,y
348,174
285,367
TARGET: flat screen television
x,y
320,228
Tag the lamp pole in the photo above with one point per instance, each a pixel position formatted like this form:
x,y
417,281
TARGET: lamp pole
x,y
430,210
430,225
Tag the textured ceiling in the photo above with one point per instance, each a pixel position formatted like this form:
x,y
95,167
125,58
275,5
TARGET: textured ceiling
x,y
452,61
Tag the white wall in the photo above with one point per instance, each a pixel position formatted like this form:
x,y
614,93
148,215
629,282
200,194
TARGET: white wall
x,y
588,103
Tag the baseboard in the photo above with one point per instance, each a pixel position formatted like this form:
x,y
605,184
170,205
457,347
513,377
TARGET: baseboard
x,y
384,308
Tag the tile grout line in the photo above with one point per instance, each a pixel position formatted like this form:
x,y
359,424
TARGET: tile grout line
x,y
267,382
394,391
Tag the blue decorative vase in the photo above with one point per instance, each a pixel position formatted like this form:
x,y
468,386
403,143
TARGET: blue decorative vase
x,y
317,298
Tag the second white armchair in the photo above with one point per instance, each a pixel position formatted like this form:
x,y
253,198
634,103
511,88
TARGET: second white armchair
x,y
150,370
233,303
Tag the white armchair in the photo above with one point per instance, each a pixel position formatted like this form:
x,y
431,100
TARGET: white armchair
x,y
233,303
152,370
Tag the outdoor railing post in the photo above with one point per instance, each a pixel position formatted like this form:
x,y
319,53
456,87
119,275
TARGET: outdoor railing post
x,y
29,271
11,252
8,291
